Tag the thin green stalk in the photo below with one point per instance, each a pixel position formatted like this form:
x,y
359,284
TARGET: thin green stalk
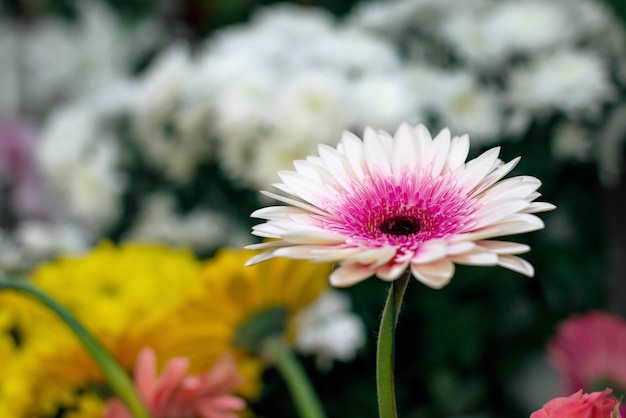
x,y
385,348
302,392
112,371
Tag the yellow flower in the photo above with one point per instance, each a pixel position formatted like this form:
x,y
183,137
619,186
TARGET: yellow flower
x,y
109,290
112,286
236,307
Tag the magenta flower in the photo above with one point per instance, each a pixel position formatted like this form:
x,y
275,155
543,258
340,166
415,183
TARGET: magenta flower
x,y
19,169
386,204
590,349
174,394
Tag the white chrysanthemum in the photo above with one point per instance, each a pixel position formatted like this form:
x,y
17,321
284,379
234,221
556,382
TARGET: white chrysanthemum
x,y
469,40
169,119
329,329
273,153
42,240
567,80
387,204
311,104
349,51
202,230
300,22
384,101
81,162
466,106
60,59
526,26
375,16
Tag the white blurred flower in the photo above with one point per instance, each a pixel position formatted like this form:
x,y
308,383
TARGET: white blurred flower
x,y
271,153
35,241
300,22
11,255
526,26
42,240
310,106
59,59
80,161
572,81
308,109
467,35
329,329
464,105
200,229
241,108
9,99
572,142
351,52
169,117
384,101
376,15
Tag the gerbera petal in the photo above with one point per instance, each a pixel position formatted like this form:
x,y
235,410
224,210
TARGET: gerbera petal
x,y
352,147
278,212
477,257
314,236
520,186
536,207
350,274
496,212
404,152
436,274
496,175
303,187
438,152
459,149
375,153
145,373
430,251
504,247
317,253
373,257
337,165
517,264
392,271
259,258
476,169
169,380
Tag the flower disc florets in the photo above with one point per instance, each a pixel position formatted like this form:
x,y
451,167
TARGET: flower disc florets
x,y
387,204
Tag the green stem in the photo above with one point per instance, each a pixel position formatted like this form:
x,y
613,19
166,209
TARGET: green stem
x,y
302,392
112,371
385,348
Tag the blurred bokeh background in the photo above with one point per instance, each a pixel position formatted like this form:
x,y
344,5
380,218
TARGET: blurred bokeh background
x,y
159,121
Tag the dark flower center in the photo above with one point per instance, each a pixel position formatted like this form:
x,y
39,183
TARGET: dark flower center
x,y
400,225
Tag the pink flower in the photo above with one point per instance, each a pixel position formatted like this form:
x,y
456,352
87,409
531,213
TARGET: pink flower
x,y
174,394
590,349
387,204
19,169
580,405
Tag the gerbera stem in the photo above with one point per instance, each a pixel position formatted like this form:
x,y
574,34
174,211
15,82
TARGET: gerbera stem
x,y
112,371
302,392
385,348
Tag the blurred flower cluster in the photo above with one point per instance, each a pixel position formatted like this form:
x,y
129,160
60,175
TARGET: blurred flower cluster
x,y
130,296
161,154
130,161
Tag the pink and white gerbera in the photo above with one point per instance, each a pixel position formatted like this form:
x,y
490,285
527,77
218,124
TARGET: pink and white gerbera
x,y
384,205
